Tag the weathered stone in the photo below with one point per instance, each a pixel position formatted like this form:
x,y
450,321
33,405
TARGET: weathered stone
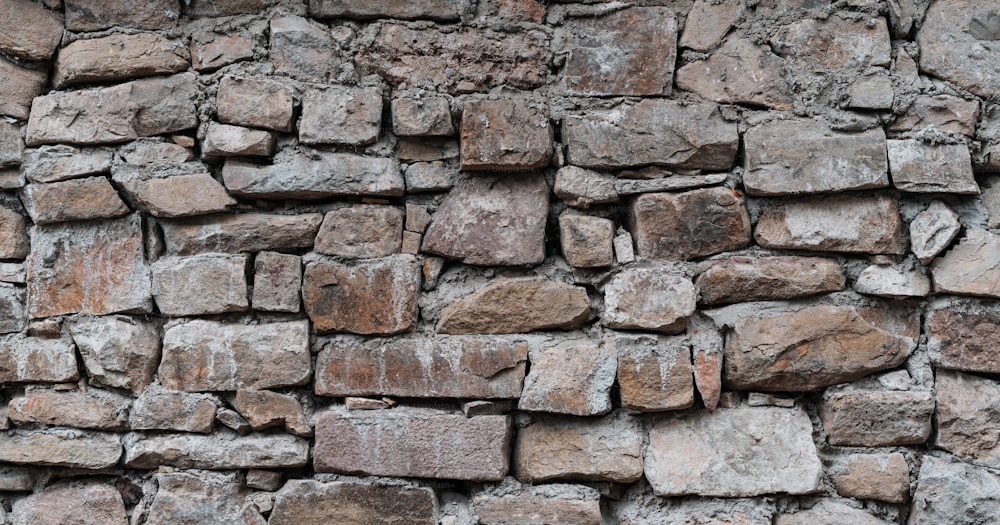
x,y
740,72
198,497
708,22
516,305
701,511
626,52
118,351
457,60
923,168
492,220
16,479
223,140
872,92
156,151
12,273
873,418
58,163
932,230
967,409
707,347
361,231
652,131
963,337
505,134
62,448
207,283
212,356
93,409
689,225
422,116
21,86
245,232
969,268
94,15
844,223
563,505
212,51
955,45
217,451
11,144
364,403
894,282
277,279
581,187
30,359
28,30
625,187
428,149
781,159
743,279
417,218
828,512
264,479
72,200
213,8
883,477
586,241
834,43
649,299
233,420
944,113
654,373
77,503
430,176
441,10
256,103
372,297
413,443
308,502
116,277
444,366
138,55
303,49
173,193
736,452
954,492
315,176
11,179
265,409
161,409
341,115
14,242
573,377
797,350
604,449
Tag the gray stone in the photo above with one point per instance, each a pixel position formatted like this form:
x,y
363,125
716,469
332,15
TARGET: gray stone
x,y
582,188
685,226
25,359
303,49
740,72
155,151
277,280
874,418
76,503
954,45
894,282
967,410
268,480
223,140
922,168
954,492
430,176
873,92
118,351
341,115
969,268
572,377
505,134
670,183
29,31
308,502
828,512
708,22
198,497
654,373
510,306
62,448
161,409
649,299
361,231
245,232
932,230
944,113
57,163
742,279
844,223
11,144
93,15
834,43
422,116
12,314
218,451
135,55
93,409
180,191
257,103
72,200
562,505
314,176
207,283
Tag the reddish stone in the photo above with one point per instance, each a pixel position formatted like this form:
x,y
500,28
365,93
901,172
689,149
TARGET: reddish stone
x,y
139,55
29,31
516,306
73,200
505,134
689,225
741,279
255,103
21,85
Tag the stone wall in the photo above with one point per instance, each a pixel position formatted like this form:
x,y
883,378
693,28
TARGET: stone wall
x,y
271,262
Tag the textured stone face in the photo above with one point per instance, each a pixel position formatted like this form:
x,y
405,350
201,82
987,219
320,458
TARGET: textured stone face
x,y
573,377
341,115
264,409
118,351
836,43
218,451
951,491
169,195
649,299
161,409
740,72
883,477
62,448
247,232
200,284
955,44
522,509
967,409
223,140
361,231
422,116
192,497
968,268
582,188
300,176
80,503
218,50
307,502
505,134
12,315
303,49
94,409
139,55
21,86
72,200
277,280
932,230
14,242
852,224
922,168
654,373
256,103
684,226
736,452
513,306
30,32
828,513
877,418
586,241
93,15
26,359
56,163
744,279
964,337
896,282
942,112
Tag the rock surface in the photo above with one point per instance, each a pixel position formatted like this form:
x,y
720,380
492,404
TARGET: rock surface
x,y
685,226
968,268
966,412
507,134
573,377
876,418
649,299
940,480
218,451
79,503
307,502
654,373
846,223
744,279
513,306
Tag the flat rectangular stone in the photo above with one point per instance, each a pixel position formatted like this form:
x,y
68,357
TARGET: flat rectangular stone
x,y
26,359
440,10
688,225
21,86
516,306
964,336
180,190
214,8
300,176
573,377
93,409
843,223
16,479
343,115
244,232
277,282
444,366
28,30
58,163
624,187
413,443
210,50
139,55
256,103
924,168
11,144
223,140
970,268
94,15
430,176
62,448
742,279
160,409
73,200
505,134
882,477
307,502
198,496
569,505
361,231
218,451
874,418
422,115
202,284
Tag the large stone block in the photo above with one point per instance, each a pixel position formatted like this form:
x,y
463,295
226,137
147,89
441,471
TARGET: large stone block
x,y
203,284
882,477
94,15
308,502
954,45
139,55
969,268
505,134
742,279
572,377
511,306
94,409
314,176
58,163
218,451
967,410
846,223
72,200
654,373
161,409
199,497
257,103
277,282
740,72
922,168
343,115
361,231
21,86
422,115
954,492
172,192
689,225
440,10
834,43
963,337
245,232
62,448
118,351
79,503
873,418
649,299
28,30
303,49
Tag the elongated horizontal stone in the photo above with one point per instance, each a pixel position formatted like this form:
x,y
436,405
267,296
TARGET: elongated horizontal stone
x,y
685,226
163,193
572,504
441,10
314,177
847,43
199,497
966,416
219,451
923,168
245,232
847,223
828,512
736,452
94,409
458,366
624,187
308,502
93,15
138,55
73,200
223,140
29,359
57,163
969,267
954,492
211,356
81,502
413,443
62,448
964,337
208,283
876,418
515,306
741,279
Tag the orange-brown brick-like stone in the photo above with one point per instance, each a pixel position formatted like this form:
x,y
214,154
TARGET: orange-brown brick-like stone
x,y
511,306
361,231
689,225
255,103
654,373
21,85
95,409
883,477
308,502
572,377
740,279
29,31
964,337
374,296
505,134
93,15
139,55
265,409
586,241
73,200
169,194
876,418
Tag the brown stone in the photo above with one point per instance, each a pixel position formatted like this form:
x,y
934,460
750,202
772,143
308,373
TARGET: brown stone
x,y
76,503
443,366
164,193
573,377
28,30
214,8
743,279
924,168
138,55
844,223
223,140
882,477
16,479
92,268
245,232
94,409
967,411
155,151
944,113
512,306
969,267
586,241
834,43
217,451
264,479
94,15
440,10
265,409
314,176
422,116
62,448
308,502
29,359
161,409
59,163
964,336
874,91
14,241
372,297
21,86
277,280
217,50
361,231
954,45
689,225
200,497
708,22
413,443
707,351
72,200
118,351
578,507
430,176
582,188
649,299
873,418
807,349
303,49
505,134
341,115
740,72
256,103
203,284
654,373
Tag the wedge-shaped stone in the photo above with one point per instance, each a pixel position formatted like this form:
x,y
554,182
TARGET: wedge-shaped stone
x,y
316,176
21,86
200,497
79,503
954,42
58,163
308,502
72,200
245,232
742,279
933,229
834,43
139,55
684,226
654,373
93,409
219,451
28,30
736,452
443,366
62,448
223,140
120,113
741,72
511,306
922,168
441,10
161,409
208,283
505,134
413,443
649,299
970,268
256,103
799,350
212,356
844,223
828,512
14,241
563,505
874,418
341,115
967,411
118,351
175,192
883,477
93,15
782,159
361,231
572,377
653,131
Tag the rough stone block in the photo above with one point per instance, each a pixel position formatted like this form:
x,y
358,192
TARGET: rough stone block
x,y
94,15
430,176
11,144
834,43
14,241
654,373
210,51
932,230
62,448
202,284
172,192
58,163
882,477
303,49
963,336
873,418
12,315
342,115
223,140
199,497
582,188
139,55
586,241
563,505
573,377
828,512
315,176
277,279
743,279
257,103
79,503
72,200
505,134
969,268
16,479
422,116
21,86
245,232
954,492
740,72
28,30
951,45
218,451
264,409
118,351
966,416
874,92
440,10
161,409
511,306
944,113
923,168
708,22
361,231
689,225
308,502
846,223
649,299
94,409
895,282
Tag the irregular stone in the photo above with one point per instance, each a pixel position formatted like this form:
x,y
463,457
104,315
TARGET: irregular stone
x,y
29,359
457,60
277,280
427,149
744,279
217,451
966,414
417,218
233,420
14,241
440,10
12,317
93,409
708,22
11,179
245,232
855,161
443,366
586,241
954,492
223,140
77,503
654,373
62,448
256,103
94,15
577,506
652,131
16,479
573,377
689,225
161,409
364,403
571,448
921,168
707,349
308,502
114,114
118,351
139,55
649,299
341,115
843,223
969,268
874,92
11,145
932,230
760,399
828,512
21,86
265,409
72,200
413,443
702,511
505,134
198,497
487,408
422,116
737,452
156,152
29,31
430,176
361,231
874,418
302,49
882,477
372,297
800,350
58,163
203,284
740,72
962,337
954,42
670,183
12,273
117,277
894,282
212,51
510,306
582,188
834,43
492,220
171,193
944,113
264,479
314,176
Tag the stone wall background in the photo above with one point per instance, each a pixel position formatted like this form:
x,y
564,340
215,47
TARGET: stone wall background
x,y
500,262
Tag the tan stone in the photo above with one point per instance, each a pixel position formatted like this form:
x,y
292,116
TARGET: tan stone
x,y
536,506
874,91
277,281
14,241
847,223
156,151
941,112
924,168
308,502
62,448
317,175
876,418
834,43
245,232
139,55
73,200
572,377
341,115
740,72
94,409
516,305
895,281
93,15
217,451
953,45
648,299
265,409
967,411
689,225
586,241
164,193
505,134
828,512
29,31
21,86
58,163
77,503
161,409
422,116
223,140
200,284
118,351
742,279
361,231
882,477
654,373
303,49
257,103
16,479
219,50
969,267
708,22
441,10
582,188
